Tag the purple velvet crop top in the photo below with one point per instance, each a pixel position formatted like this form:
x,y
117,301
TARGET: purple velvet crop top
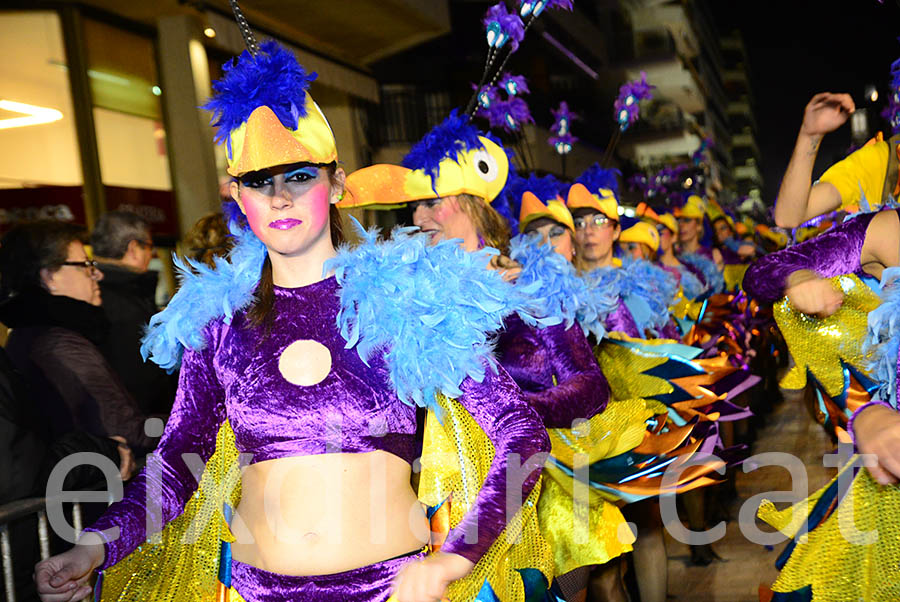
x,y
354,409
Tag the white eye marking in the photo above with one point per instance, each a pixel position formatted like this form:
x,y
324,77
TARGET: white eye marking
x,y
305,363
485,166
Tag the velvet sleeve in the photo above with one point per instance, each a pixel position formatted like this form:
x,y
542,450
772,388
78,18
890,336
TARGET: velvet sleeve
x,y
832,253
513,427
168,481
621,320
581,390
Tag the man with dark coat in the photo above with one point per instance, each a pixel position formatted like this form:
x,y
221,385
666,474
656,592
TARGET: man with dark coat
x,y
123,249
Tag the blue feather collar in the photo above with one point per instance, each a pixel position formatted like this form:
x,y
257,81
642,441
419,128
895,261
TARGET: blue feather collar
x,y
564,294
431,309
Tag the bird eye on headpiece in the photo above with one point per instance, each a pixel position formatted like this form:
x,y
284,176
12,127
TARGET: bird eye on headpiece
x,y
485,165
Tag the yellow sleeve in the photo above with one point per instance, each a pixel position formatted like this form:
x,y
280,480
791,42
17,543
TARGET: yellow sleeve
x,y
862,173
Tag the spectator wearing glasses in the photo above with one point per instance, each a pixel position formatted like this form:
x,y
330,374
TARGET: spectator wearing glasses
x,y
51,300
123,247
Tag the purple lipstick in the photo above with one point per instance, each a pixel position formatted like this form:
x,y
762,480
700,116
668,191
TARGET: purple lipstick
x,y
285,224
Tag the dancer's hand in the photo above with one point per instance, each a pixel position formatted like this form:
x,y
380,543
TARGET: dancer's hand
x,y
508,268
427,580
813,295
64,577
877,431
825,113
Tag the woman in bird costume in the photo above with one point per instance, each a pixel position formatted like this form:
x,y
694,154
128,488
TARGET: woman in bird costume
x,y
284,470
843,537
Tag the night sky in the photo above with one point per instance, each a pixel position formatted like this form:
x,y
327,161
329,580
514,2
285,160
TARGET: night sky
x,y
798,48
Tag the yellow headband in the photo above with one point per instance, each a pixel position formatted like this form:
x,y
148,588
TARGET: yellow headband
x,y
668,220
479,172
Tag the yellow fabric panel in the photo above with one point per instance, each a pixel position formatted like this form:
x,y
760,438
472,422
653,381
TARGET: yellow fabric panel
x,y
183,563
862,173
734,275
819,344
456,457
581,534
840,569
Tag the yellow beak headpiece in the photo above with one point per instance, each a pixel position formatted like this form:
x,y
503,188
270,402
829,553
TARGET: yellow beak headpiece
x,y
264,115
533,208
604,201
452,159
642,232
694,208
668,220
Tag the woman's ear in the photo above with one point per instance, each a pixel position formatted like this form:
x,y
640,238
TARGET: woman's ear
x,y
337,185
47,278
235,190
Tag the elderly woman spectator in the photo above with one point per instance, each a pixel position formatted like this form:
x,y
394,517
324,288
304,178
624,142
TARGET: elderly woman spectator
x,y
51,300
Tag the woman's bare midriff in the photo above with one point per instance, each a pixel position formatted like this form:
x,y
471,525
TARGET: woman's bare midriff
x,y
329,513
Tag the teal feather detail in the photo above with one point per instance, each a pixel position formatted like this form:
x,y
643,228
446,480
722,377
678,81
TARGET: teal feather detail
x,y
715,281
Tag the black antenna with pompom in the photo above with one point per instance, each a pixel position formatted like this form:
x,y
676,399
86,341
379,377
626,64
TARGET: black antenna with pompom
x,y
244,26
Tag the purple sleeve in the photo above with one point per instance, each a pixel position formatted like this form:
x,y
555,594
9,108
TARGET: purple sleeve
x,y
833,253
193,425
513,427
621,321
581,390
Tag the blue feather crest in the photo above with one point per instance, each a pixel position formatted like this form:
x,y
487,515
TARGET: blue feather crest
x,y
545,188
205,294
273,78
596,177
446,140
714,280
883,339
565,295
429,308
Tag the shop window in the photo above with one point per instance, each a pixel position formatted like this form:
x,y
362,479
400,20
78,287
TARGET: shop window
x,y
40,170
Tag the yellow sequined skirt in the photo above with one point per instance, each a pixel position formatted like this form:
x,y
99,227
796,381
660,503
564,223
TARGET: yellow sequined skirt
x,y
854,554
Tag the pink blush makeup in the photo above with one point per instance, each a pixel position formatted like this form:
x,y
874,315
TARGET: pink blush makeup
x,y
319,206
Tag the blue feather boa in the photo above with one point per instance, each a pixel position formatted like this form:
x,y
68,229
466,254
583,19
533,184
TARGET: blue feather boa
x,y
715,280
205,294
646,289
690,284
565,295
430,308
883,339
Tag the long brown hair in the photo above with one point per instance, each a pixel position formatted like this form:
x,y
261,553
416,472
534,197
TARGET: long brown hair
x,y
260,313
489,224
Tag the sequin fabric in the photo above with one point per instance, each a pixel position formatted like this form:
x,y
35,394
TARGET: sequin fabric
x,y
840,559
456,457
182,562
820,345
